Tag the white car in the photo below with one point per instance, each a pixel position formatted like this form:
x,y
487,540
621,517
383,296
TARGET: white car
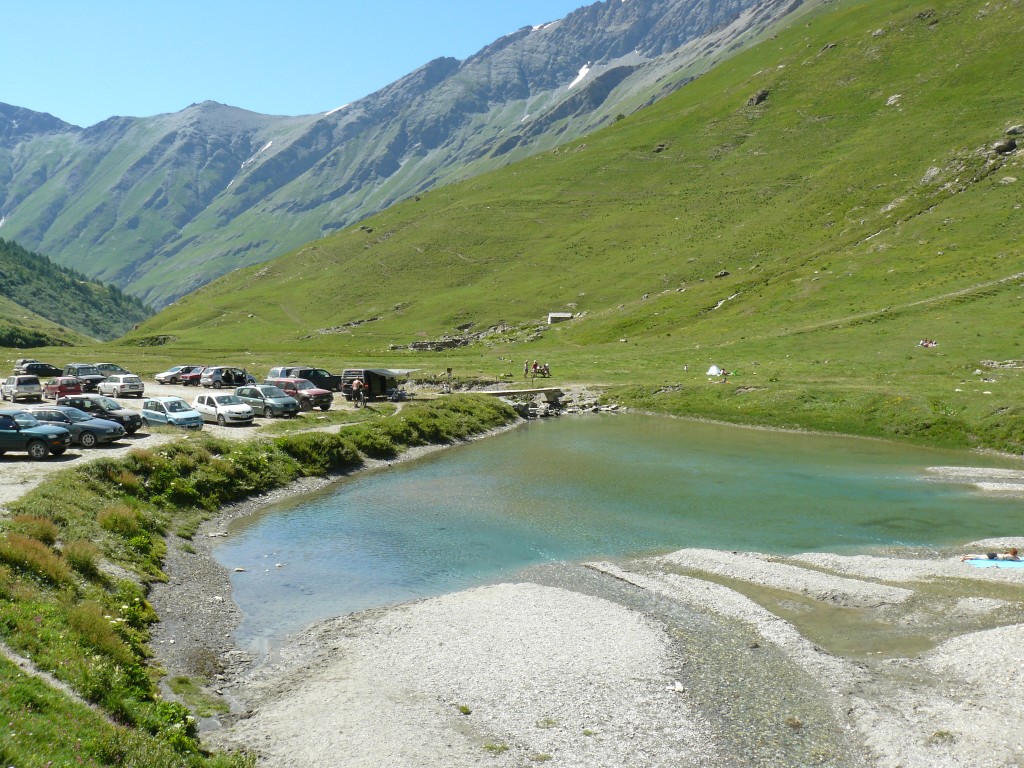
x,y
223,409
121,385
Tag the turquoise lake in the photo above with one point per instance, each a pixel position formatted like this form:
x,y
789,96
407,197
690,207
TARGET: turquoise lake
x,y
600,486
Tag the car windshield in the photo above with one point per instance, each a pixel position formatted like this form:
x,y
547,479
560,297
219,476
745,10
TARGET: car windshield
x,y
227,400
177,406
88,370
108,404
76,415
303,384
26,420
273,392
131,379
175,369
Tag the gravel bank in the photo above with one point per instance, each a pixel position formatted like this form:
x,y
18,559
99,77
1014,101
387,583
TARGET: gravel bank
x,y
653,662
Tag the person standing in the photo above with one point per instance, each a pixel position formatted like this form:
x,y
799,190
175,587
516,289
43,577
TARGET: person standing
x,y
357,392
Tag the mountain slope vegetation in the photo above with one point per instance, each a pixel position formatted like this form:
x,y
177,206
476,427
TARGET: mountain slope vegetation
x,y
161,205
38,290
806,212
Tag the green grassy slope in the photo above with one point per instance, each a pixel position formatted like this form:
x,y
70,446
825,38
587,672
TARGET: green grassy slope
x,y
22,329
856,209
62,296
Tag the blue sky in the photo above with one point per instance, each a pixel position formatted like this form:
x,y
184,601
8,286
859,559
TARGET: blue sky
x,y
86,61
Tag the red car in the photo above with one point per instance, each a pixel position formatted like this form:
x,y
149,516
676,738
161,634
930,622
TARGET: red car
x,y
306,392
62,385
191,379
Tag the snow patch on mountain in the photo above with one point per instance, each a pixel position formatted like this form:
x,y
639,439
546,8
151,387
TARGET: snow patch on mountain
x,y
584,71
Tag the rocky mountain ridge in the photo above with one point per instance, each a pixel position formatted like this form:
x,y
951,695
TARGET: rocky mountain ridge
x,y
162,205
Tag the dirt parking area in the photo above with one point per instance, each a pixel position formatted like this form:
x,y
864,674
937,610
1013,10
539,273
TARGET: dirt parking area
x,y
20,474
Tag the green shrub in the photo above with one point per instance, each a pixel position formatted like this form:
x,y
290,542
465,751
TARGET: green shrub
x,y
318,453
31,555
120,519
40,528
373,442
96,629
83,556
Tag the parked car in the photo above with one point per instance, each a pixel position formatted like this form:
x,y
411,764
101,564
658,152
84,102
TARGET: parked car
x,y
20,431
109,369
320,377
39,370
21,362
87,373
173,374
172,411
223,409
218,376
121,385
268,400
17,388
191,379
306,392
60,386
85,429
105,408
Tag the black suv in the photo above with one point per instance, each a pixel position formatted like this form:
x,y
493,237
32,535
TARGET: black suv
x,y
103,407
323,379
88,374
42,370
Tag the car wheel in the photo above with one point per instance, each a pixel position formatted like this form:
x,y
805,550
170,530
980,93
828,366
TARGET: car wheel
x,y
216,385
221,421
305,405
267,412
37,450
325,407
87,440
172,380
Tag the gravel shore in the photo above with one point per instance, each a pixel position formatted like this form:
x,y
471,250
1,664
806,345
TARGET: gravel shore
x,y
695,658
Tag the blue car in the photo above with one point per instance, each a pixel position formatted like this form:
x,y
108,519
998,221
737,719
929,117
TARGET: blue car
x,y
172,411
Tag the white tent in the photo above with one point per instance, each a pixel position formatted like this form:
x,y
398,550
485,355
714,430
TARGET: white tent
x,y
714,370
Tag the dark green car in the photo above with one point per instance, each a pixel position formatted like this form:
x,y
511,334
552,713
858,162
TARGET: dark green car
x,y
19,431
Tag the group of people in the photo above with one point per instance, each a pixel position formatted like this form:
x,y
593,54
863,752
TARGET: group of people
x,y
538,369
927,343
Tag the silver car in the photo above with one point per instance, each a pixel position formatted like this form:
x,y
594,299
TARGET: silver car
x,y
121,385
268,400
17,388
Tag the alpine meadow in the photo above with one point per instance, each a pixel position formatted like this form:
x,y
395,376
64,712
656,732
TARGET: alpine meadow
x,y
802,216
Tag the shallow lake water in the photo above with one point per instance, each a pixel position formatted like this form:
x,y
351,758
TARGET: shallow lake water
x,y
599,486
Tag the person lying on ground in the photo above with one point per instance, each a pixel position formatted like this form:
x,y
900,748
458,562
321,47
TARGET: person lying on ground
x,y
1010,554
